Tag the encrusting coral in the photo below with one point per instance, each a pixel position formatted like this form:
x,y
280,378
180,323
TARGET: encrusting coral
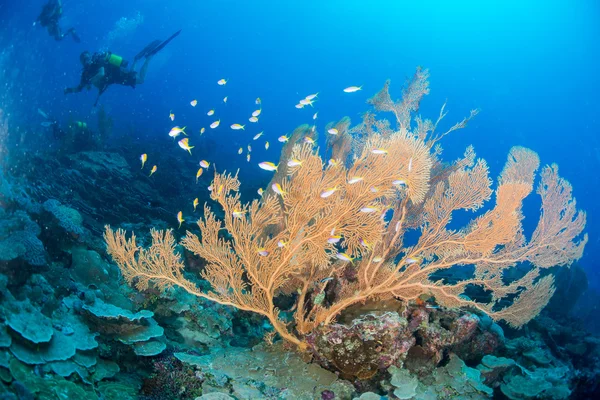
x,y
344,223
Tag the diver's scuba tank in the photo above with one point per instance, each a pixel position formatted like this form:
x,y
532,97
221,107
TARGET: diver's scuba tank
x,y
116,60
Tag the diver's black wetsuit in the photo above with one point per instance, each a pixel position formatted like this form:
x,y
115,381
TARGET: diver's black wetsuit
x,y
104,69
101,73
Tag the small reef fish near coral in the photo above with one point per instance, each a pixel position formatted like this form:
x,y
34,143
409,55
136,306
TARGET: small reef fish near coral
x,y
372,254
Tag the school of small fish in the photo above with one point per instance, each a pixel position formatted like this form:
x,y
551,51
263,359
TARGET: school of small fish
x,y
325,193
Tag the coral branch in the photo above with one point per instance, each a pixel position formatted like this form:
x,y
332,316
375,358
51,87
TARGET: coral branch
x,y
346,220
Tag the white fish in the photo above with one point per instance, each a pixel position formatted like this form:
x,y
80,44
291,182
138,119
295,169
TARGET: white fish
x,y
379,151
352,89
369,209
328,192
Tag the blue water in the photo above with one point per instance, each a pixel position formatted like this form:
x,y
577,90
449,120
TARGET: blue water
x,y
532,70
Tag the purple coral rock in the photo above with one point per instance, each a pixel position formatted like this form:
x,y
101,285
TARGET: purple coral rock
x,y
370,343
464,327
327,395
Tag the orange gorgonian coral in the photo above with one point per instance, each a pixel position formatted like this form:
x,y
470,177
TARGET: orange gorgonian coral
x,y
354,213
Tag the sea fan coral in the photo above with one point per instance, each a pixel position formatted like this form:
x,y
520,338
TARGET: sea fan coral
x,y
346,223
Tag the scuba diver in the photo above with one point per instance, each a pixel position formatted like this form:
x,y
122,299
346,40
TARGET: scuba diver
x,y
104,69
49,18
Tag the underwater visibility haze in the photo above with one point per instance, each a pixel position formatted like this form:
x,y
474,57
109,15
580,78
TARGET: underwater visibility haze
x,y
299,200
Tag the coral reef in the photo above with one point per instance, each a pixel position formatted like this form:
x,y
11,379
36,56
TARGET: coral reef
x,y
69,328
322,220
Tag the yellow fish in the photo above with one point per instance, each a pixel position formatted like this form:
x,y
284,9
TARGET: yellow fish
x,y
334,239
277,189
333,163
257,101
315,115
283,139
210,112
237,127
253,119
202,130
257,135
249,148
153,170
176,131
355,179
352,89
299,105
305,102
248,157
344,257
199,174
268,166
266,145
281,243
193,103
180,218
215,124
308,139
171,116
143,158
238,214
183,143
260,191
240,151
204,164
294,163
333,131
195,203
377,259
262,252
256,113
311,96
225,99
222,82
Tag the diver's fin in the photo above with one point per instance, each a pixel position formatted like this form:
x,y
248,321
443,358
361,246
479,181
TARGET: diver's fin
x,y
43,113
146,50
163,44
74,35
